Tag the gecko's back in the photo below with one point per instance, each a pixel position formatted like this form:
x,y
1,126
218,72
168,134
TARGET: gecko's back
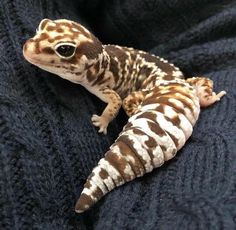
x,y
134,70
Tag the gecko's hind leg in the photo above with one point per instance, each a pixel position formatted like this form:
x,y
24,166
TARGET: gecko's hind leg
x,y
132,102
204,87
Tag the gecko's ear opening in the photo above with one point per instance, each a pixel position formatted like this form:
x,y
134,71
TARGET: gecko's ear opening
x,y
43,23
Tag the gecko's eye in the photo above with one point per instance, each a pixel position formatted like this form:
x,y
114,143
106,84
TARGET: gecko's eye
x,y
65,50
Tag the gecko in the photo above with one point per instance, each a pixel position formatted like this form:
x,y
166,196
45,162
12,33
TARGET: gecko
x,y
161,104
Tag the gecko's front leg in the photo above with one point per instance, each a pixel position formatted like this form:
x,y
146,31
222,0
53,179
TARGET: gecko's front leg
x,y
114,102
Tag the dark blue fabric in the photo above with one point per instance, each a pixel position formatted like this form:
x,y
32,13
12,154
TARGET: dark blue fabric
x,y
48,145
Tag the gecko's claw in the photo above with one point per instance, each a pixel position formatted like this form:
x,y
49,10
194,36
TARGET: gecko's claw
x,y
100,122
220,94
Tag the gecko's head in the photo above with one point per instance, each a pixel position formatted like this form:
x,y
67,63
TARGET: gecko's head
x,y
62,47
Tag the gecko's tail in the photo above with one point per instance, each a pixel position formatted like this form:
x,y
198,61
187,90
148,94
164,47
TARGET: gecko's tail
x,y
151,137
112,171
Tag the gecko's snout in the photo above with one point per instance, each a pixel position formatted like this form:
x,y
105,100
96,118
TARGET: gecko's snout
x,y
31,51
28,49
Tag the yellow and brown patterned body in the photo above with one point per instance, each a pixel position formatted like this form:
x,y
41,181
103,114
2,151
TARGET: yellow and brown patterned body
x,y
163,107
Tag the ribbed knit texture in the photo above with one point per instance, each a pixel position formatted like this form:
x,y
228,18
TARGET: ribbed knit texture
x,y
48,145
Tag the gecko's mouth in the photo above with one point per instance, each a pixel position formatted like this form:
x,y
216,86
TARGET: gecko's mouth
x,y
36,61
29,58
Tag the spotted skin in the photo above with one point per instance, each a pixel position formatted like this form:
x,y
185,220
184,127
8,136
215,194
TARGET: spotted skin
x,y
163,107
132,102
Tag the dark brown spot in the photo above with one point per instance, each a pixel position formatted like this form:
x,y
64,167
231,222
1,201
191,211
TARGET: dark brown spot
x,y
60,30
145,70
83,202
119,163
160,109
168,77
100,78
149,115
151,143
51,28
125,139
36,46
48,50
90,49
176,121
151,80
155,127
143,74
60,37
90,76
175,140
115,71
87,184
51,40
208,91
87,66
98,193
43,36
164,101
125,150
104,62
104,81
121,56
97,67
72,60
165,67
72,68
103,174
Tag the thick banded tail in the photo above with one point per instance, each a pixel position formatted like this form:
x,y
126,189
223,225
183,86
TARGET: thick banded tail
x,y
151,137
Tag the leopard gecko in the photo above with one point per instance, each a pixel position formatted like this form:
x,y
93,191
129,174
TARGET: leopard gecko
x,y
161,104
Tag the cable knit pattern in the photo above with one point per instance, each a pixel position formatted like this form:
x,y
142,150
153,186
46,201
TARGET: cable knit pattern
x,y
48,145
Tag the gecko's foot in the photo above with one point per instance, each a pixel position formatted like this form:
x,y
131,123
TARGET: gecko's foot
x,y
100,122
211,99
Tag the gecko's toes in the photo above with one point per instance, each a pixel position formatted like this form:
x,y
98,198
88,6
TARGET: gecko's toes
x,y
103,130
100,122
221,94
211,99
94,117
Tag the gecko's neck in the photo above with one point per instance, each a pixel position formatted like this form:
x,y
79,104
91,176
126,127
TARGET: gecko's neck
x,y
90,72
97,71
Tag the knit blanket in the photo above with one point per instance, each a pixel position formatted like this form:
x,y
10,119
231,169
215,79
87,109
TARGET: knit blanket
x,y
48,145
